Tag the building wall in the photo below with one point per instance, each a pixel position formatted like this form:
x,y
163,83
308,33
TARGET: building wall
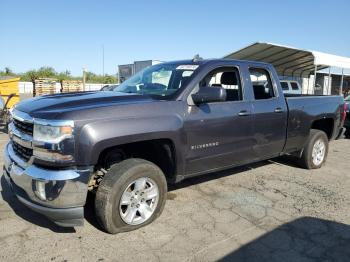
x,y
126,71
324,85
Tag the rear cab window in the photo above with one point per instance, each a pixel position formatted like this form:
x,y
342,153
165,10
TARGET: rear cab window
x,y
262,84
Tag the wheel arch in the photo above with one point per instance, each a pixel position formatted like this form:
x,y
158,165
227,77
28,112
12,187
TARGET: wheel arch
x,y
325,124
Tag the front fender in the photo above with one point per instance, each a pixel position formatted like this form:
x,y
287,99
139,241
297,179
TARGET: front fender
x,y
100,135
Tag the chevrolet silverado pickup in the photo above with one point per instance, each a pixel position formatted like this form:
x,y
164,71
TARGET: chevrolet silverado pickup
x,y
169,122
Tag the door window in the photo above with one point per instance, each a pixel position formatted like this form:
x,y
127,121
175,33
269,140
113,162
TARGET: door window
x,y
227,78
261,83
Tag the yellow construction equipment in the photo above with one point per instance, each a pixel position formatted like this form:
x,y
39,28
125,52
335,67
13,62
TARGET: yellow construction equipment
x,y
8,86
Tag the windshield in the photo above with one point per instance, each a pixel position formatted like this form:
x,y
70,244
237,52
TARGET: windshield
x,y
160,80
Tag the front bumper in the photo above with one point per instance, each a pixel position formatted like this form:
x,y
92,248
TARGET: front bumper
x,y
60,195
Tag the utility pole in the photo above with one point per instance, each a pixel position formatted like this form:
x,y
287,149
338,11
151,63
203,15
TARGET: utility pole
x,y
103,60
341,82
84,78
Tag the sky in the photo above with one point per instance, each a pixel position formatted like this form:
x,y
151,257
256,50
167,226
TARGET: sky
x,y
70,35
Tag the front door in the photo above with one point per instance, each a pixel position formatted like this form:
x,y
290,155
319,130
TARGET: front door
x,y
219,134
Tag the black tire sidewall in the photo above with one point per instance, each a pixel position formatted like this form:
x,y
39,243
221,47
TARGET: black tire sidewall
x,y
316,135
117,179
118,192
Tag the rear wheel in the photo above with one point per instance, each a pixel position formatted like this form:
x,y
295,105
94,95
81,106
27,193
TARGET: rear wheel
x,y
315,150
131,195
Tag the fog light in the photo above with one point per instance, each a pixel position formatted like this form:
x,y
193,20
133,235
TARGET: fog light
x,y
39,189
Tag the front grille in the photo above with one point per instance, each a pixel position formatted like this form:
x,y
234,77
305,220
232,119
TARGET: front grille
x,y
24,127
22,151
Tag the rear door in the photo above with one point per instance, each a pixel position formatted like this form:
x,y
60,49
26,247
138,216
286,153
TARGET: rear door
x,y
270,112
219,134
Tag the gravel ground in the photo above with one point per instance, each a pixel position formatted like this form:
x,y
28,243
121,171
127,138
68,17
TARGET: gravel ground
x,y
269,211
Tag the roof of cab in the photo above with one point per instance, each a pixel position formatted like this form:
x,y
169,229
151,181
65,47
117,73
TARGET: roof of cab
x,y
213,61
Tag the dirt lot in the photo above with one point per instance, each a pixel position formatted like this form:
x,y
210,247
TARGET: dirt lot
x,y
270,211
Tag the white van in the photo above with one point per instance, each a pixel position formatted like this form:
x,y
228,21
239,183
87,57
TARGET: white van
x,y
290,87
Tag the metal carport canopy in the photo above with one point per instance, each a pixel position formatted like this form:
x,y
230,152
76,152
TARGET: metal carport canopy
x,y
290,61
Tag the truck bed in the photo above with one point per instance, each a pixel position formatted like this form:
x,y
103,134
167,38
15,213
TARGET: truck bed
x,y
303,110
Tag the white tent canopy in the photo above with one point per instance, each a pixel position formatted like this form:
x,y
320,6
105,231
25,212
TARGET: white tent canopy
x,y
290,61
331,60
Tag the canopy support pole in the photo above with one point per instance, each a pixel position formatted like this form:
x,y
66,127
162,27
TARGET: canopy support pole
x,y
341,82
329,82
315,73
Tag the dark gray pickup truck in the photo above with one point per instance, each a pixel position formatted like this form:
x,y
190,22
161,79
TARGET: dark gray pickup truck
x,y
167,123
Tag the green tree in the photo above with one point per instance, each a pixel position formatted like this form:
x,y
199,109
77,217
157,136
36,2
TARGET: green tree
x,y
65,75
50,72
8,71
109,79
46,72
31,75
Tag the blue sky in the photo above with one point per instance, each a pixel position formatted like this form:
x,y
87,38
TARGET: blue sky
x,y
70,34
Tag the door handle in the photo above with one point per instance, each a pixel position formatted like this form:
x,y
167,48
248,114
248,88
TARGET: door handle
x,y
278,110
244,113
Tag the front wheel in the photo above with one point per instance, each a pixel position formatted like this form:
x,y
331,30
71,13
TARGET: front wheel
x,y
315,151
132,194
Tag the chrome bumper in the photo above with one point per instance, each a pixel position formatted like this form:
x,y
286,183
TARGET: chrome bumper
x,y
58,194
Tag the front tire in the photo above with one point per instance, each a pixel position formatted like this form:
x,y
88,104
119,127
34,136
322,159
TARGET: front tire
x,y
131,195
315,151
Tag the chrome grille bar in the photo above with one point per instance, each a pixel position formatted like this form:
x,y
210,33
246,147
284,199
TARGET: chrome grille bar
x,y
21,116
21,135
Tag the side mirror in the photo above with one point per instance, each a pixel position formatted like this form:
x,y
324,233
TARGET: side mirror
x,y
209,94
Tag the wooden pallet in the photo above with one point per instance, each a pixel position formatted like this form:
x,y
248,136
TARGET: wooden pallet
x,y
71,86
45,86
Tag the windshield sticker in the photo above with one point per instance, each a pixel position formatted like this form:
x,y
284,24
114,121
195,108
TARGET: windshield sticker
x,y
187,67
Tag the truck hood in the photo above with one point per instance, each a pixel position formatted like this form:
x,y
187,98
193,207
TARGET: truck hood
x,y
61,103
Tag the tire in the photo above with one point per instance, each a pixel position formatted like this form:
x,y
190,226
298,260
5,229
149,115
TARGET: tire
x,y
307,160
118,182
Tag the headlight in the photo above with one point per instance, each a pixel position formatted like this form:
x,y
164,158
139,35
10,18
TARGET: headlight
x,y
51,134
53,140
